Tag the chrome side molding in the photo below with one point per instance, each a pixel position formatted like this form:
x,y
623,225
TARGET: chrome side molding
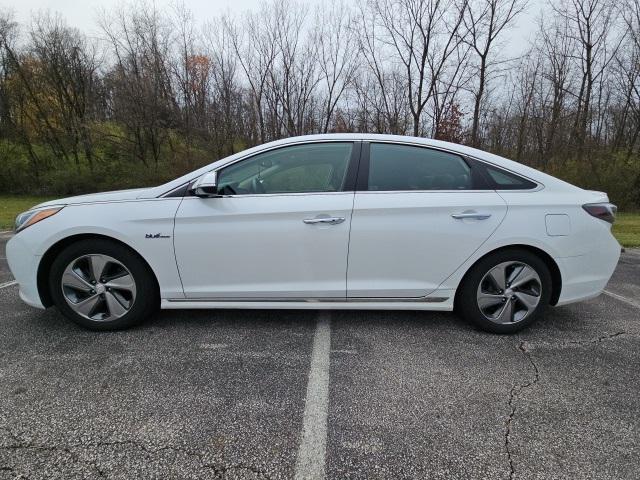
x,y
315,300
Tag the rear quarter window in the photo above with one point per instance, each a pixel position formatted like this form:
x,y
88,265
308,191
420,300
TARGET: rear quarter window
x,y
504,180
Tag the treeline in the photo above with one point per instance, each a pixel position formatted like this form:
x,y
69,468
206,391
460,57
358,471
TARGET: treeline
x,y
158,93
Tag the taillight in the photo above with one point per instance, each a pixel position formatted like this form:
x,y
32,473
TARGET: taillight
x,y
603,211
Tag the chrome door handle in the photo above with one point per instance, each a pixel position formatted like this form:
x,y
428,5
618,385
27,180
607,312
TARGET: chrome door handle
x,y
474,215
329,220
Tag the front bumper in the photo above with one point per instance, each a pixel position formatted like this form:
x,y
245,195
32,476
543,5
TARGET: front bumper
x,y
23,264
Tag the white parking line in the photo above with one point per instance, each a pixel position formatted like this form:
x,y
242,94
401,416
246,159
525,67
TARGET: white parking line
x,y
626,300
7,284
310,464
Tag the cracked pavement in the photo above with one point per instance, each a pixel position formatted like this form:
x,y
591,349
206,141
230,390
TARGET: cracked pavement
x,y
221,394
513,394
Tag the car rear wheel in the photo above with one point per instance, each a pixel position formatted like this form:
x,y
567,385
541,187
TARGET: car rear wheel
x,y
102,285
505,291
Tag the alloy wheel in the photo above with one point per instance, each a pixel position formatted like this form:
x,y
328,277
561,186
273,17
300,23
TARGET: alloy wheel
x,y
98,287
509,292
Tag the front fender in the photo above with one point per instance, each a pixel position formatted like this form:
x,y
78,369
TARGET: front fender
x,y
146,226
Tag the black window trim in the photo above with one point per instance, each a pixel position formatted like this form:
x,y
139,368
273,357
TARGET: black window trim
x,y
177,192
482,181
362,181
493,185
353,167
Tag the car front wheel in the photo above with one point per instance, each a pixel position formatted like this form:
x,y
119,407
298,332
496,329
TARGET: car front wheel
x,y
102,285
505,291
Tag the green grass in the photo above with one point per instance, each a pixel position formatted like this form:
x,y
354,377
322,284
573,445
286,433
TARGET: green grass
x,y
627,229
12,205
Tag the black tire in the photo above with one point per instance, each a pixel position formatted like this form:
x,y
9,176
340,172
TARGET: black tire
x,y
466,304
146,300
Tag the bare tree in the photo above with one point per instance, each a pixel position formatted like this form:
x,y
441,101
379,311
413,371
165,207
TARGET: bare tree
x,y
592,29
557,51
142,96
11,103
255,47
380,88
68,74
484,21
627,78
422,36
225,114
294,77
336,53
186,71
8,32
527,80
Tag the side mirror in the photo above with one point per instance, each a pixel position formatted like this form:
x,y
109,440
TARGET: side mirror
x,y
206,186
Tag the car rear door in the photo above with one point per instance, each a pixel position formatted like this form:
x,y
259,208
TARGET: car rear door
x,y
279,230
418,214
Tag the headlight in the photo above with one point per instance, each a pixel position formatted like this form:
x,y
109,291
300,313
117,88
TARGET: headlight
x,y
27,219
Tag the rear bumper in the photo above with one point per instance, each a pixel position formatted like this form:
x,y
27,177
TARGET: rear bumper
x,y
23,264
586,276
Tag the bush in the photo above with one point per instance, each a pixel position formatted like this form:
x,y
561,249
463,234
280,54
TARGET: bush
x,y
614,174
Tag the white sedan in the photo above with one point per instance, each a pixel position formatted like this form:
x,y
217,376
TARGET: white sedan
x,y
342,221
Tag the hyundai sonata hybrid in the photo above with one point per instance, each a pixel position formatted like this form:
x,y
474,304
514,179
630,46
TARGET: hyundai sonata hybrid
x,y
338,221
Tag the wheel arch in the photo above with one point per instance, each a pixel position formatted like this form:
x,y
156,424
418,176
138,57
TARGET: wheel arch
x,y
554,270
44,267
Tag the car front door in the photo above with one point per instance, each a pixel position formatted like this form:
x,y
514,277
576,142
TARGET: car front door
x,y
279,230
418,214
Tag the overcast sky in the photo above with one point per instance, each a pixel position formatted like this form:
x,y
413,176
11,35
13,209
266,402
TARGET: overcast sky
x,y
82,13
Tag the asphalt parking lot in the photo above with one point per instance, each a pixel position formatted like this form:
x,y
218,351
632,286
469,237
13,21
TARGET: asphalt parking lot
x,y
279,394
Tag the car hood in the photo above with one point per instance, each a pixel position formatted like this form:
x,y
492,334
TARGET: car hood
x,y
115,196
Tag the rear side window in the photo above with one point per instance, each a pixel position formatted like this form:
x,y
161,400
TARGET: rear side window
x,y
406,167
503,180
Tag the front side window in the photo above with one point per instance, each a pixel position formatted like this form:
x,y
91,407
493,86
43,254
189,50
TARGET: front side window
x,y
315,167
406,167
